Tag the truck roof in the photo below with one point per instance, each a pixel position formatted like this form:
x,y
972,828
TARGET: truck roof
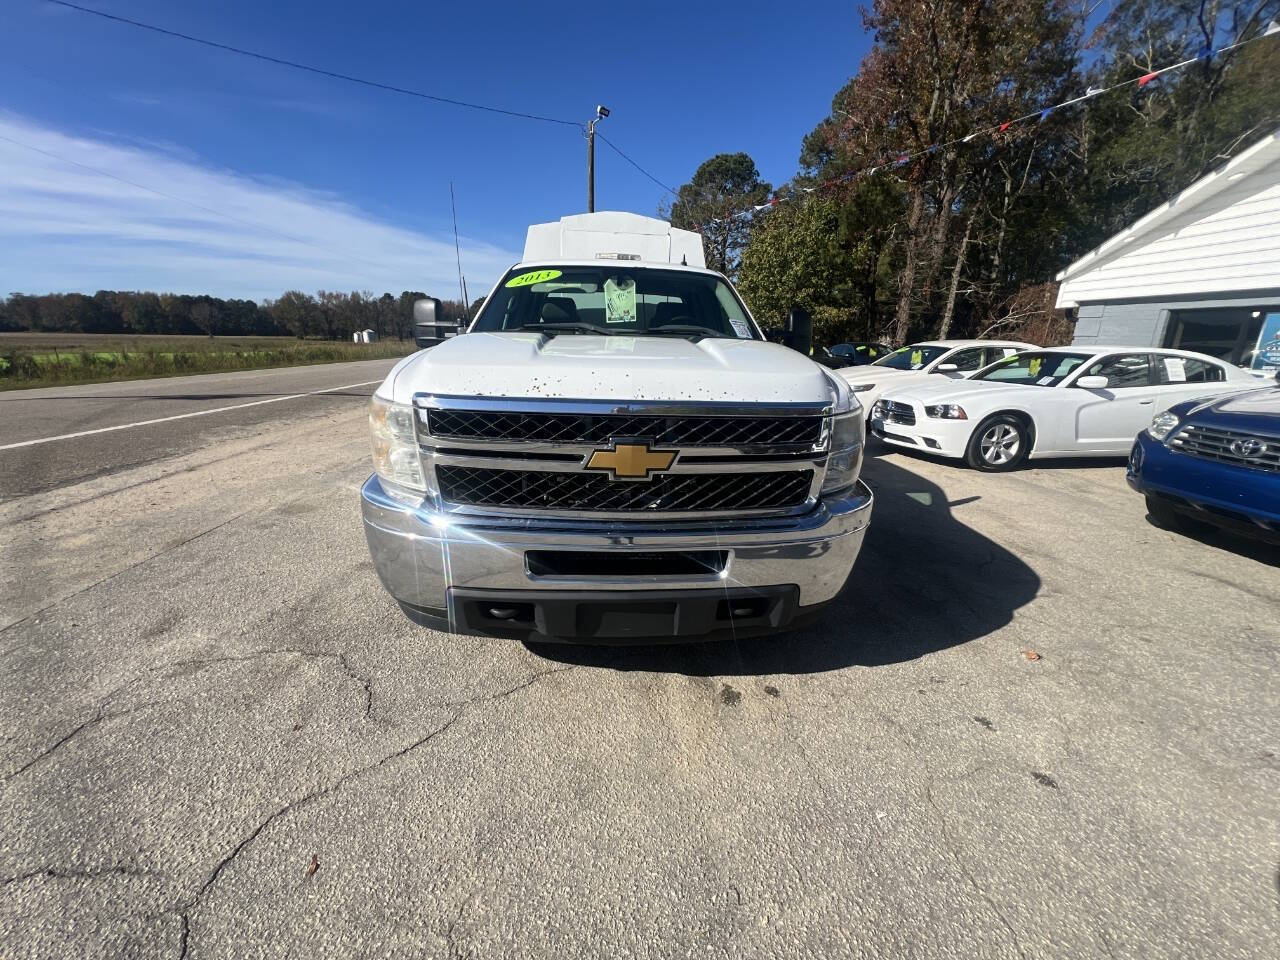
x,y
613,235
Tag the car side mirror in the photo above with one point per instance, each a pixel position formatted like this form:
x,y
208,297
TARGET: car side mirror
x,y
1092,383
429,325
946,368
799,330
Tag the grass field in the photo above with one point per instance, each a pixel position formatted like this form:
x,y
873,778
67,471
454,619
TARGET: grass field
x,y
50,359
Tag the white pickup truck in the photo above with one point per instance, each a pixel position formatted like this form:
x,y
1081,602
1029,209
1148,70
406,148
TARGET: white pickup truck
x,y
612,452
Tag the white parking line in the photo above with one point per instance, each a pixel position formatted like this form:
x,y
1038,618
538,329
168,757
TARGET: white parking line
x,y
183,416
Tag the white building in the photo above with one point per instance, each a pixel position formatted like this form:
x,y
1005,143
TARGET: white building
x,y
1201,272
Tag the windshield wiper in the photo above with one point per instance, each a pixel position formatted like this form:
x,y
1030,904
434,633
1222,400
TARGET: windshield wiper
x,y
551,329
683,330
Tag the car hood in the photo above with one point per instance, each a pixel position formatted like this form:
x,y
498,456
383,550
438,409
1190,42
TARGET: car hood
x,y
591,367
1254,409
870,373
946,390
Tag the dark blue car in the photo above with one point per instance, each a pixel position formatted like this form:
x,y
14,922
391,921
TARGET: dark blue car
x,y
1215,461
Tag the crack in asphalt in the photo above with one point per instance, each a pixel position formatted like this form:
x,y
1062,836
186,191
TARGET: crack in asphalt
x,y
101,716
97,583
56,874
340,657
185,909
954,850
528,682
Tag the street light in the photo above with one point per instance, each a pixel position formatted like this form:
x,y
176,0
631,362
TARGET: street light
x,y
601,113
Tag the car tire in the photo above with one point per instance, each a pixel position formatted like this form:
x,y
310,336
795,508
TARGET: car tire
x,y
999,443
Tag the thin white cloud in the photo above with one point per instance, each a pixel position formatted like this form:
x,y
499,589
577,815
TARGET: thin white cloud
x,y
67,228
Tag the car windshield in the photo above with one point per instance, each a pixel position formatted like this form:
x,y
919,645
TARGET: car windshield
x,y
858,352
615,299
1033,368
914,357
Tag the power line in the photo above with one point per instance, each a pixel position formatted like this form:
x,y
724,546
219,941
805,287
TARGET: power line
x,y
190,203
615,149
332,74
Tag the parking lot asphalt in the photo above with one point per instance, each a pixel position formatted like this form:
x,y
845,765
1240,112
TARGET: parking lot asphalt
x,y
1034,725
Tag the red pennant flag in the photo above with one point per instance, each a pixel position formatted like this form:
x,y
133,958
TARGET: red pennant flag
x,y
1143,81
1005,126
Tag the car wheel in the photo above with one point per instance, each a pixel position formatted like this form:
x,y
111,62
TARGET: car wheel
x,y
999,443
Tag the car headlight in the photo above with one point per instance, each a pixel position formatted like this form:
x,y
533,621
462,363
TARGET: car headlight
x,y
395,445
1163,424
946,411
861,387
845,458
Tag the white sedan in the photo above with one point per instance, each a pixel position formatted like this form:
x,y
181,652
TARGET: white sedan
x,y
1064,401
951,359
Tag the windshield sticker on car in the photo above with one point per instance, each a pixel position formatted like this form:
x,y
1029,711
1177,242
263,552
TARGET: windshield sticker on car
x,y
740,328
1033,366
1176,368
917,359
1044,381
620,300
532,277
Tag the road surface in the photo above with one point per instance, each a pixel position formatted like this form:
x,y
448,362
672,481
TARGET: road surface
x,y
1033,726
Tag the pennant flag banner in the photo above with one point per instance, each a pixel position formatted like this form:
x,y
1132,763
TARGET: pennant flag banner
x,y
1206,52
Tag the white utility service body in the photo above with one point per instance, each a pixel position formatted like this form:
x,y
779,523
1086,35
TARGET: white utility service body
x,y
612,453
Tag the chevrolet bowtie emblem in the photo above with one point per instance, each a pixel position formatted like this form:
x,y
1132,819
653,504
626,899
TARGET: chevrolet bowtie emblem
x,y
631,461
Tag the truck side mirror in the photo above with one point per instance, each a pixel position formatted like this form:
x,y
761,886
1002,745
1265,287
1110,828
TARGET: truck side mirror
x,y
429,326
799,330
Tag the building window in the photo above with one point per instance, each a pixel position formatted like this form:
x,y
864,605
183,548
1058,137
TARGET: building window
x,y
1229,334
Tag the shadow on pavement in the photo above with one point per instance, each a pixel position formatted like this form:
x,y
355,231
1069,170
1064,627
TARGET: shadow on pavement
x,y
1216,538
876,449
924,581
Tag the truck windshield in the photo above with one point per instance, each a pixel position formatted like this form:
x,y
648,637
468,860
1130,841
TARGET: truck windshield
x,y
615,299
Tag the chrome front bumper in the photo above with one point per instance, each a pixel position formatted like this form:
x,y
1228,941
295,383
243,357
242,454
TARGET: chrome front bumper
x,y
421,554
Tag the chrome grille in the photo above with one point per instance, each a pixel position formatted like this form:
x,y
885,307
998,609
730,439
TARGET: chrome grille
x,y
480,486
896,412
1228,446
686,431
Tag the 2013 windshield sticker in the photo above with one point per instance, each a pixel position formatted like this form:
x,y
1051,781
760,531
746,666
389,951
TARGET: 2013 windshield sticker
x,y
740,328
620,300
534,276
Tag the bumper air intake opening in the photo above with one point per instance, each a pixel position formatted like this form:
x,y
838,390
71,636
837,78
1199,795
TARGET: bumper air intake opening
x,y
590,564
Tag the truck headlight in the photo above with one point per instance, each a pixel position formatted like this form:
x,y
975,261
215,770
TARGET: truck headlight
x,y
845,459
395,445
946,411
861,387
1163,424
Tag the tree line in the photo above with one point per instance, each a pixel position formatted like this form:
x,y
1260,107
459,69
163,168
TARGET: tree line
x,y
326,315
966,237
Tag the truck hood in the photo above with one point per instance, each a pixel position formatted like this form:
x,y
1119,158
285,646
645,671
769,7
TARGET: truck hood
x,y
590,367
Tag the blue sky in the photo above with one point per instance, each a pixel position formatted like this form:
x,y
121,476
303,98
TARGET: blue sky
x,y
337,186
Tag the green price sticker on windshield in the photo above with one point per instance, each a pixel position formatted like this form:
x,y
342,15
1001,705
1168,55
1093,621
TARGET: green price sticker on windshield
x,y
1034,366
917,357
535,276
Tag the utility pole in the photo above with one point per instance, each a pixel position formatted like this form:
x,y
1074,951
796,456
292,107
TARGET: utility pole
x,y
601,113
462,288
